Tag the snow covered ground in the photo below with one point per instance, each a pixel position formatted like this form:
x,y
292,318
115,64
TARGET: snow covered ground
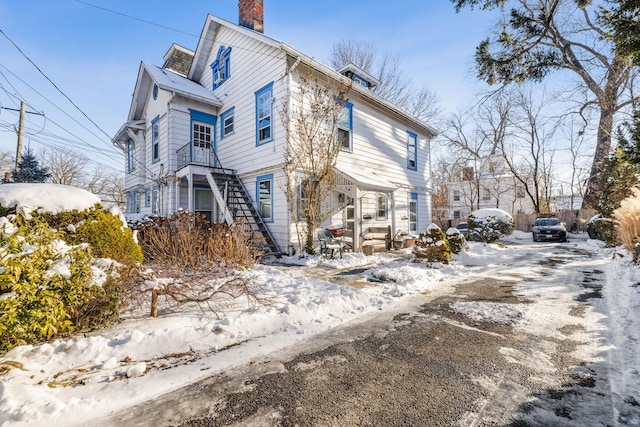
x,y
73,381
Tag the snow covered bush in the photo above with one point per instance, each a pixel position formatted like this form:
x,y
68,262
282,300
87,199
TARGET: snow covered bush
x,y
50,282
489,225
105,232
48,288
432,246
627,221
600,228
457,241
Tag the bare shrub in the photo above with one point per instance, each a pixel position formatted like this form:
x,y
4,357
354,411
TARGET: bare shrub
x,y
189,240
190,260
627,221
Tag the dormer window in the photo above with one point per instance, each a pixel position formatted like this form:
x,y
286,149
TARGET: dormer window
x,y
359,76
221,67
361,81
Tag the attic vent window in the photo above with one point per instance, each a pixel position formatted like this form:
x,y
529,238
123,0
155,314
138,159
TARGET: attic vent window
x,y
155,91
361,81
221,67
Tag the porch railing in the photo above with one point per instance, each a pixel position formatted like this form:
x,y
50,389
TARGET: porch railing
x,y
189,154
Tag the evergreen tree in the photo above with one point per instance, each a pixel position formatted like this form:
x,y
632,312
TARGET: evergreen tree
x,y
29,169
621,170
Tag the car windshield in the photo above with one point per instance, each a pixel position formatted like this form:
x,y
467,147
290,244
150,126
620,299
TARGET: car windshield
x,y
545,222
462,225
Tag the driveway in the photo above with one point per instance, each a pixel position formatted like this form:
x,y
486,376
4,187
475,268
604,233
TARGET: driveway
x,y
437,360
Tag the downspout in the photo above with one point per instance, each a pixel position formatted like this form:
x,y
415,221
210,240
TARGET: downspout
x,y
289,82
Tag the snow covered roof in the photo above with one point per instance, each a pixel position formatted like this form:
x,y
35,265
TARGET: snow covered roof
x,y
369,180
169,81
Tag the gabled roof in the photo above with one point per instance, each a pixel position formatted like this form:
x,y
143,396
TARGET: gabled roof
x,y
169,81
208,36
207,39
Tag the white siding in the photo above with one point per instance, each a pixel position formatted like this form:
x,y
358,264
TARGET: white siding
x,y
253,66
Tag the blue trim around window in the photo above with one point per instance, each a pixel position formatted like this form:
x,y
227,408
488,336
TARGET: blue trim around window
x,y
412,151
155,139
346,125
221,67
361,80
264,115
227,128
259,180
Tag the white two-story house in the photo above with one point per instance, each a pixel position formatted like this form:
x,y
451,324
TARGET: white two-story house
x,y
204,134
487,183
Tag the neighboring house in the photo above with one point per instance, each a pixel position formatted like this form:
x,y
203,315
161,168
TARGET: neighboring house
x,y
490,184
204,134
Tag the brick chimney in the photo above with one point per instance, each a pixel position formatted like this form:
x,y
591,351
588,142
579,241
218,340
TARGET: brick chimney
x,y
252,14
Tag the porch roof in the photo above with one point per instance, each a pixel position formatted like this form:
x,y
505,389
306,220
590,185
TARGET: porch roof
x,y
368,180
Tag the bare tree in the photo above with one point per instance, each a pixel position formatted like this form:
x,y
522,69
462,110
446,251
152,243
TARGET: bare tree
x,y
108,185
6,162
579,172
66,166
537,37
529,154
395,87
311,117
69,167
440,177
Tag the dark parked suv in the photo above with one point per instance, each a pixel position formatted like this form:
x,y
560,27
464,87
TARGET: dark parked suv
x,y
549,229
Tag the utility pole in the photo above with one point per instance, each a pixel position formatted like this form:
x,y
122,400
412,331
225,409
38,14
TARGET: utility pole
x,y
23,107
20,130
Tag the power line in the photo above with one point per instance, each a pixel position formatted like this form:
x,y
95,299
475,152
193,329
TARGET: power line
x,y
61,110
136,19
54,85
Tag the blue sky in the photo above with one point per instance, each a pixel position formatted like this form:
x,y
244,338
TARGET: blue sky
x,y
93,55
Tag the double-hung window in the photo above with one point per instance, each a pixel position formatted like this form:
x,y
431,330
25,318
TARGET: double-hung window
x,y
147,198
264,114
155,139
132,202
413,213
264,190
155,200
345,127
131,156
412,151
456,195
381,206
227,122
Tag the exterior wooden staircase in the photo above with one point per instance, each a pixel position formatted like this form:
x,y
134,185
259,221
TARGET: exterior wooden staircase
x,y
231,193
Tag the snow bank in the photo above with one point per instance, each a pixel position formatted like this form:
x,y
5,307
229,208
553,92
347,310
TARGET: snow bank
x,y
46,198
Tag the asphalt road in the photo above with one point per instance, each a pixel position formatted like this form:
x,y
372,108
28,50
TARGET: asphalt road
x,y
424,365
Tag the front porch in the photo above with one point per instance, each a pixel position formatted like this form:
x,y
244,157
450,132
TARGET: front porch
x,y
361,196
